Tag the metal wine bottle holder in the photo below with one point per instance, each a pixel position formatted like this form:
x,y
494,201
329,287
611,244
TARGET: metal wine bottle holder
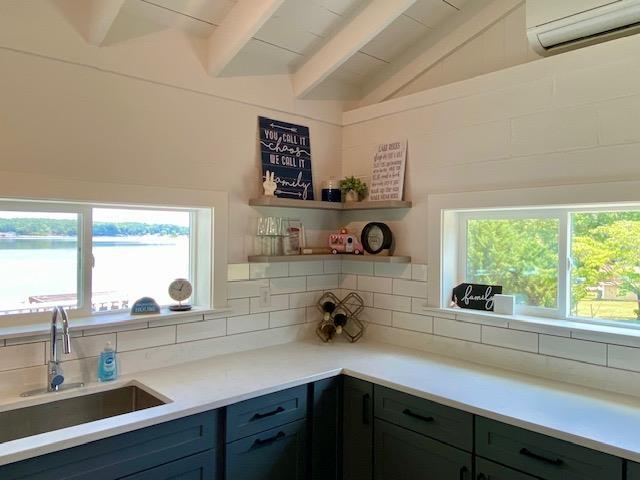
x,y
340,317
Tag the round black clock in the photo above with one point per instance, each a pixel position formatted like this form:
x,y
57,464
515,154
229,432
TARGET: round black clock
x,y
376,237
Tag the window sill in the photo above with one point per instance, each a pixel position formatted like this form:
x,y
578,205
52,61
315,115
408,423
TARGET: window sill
x,y
104,320
536,324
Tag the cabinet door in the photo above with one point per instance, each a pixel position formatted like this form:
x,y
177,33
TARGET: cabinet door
x,y
633,471
277,454
357,453
196,467
486,470
401,454
326,433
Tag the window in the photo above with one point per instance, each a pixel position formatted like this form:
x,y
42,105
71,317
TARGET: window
x,y
96,258
569,262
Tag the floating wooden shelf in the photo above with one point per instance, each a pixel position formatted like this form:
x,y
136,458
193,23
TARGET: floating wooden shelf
x,y
346,257
319,205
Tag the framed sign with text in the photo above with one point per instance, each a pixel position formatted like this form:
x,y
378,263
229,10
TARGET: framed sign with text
x,y
475,296
285,150
387,177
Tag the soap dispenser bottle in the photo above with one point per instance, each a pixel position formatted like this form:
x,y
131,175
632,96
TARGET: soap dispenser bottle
x,y
107,364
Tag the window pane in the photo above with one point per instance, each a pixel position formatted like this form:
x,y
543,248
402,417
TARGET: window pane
x,y
38,261
605,278
519,254
137,253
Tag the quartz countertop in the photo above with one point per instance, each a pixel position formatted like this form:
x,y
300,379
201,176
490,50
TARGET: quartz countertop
x,y
600,420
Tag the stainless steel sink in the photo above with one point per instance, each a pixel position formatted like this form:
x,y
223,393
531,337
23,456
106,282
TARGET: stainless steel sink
x,y
46,417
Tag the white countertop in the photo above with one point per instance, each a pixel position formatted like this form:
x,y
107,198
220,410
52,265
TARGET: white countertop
x,y
592,418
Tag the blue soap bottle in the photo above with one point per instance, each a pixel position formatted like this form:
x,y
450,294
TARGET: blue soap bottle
x,y
107,364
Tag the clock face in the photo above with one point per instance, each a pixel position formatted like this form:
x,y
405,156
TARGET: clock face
x,y
375,237
180,289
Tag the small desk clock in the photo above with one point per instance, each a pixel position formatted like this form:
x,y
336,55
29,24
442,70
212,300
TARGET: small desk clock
x,y
180,289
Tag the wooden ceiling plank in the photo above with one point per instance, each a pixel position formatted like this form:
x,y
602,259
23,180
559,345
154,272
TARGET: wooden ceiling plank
x,y
101,14
237,29
372,20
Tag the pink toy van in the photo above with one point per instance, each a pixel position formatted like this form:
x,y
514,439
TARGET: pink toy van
x,y
344,242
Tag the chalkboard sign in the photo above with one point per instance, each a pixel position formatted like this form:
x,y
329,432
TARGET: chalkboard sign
x,y
475,296
286,150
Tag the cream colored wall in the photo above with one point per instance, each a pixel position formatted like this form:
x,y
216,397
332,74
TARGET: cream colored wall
x,y
567,119
502,45
142,112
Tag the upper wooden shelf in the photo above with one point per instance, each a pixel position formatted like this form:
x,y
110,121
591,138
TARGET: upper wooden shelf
x,y
319,205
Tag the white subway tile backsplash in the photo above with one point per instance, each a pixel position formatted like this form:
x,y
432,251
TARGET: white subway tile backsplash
x,y
306,268
626,358
199,330
288,285
583,351
268,270
313,315
602,337
409,288
247,323
278,302
348,281
239,306
305,299
419,272
375,284
455,329
322,282
243,289
503,337
394,270
22,356
357,267
413,321
287,317
376,315
367,297
150,337
392,302
83,347
332,266
237,271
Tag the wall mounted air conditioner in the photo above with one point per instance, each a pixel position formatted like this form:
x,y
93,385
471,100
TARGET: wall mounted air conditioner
x,y
555,26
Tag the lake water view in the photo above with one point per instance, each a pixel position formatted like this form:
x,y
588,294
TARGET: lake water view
x,y
126,268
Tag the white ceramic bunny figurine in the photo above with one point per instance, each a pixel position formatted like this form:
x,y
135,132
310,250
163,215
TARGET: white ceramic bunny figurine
x,y
269,184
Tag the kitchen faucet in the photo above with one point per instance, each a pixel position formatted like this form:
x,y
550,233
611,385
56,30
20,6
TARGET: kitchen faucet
x,y
54,372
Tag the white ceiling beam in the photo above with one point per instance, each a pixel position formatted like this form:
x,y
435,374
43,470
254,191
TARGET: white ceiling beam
x,y
477,17
101,14
238,27
372,20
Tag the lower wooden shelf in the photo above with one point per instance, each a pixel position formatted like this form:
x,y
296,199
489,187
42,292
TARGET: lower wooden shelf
x,y
347,257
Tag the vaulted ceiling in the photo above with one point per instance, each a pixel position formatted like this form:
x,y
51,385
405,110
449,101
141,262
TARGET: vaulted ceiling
x,y
348,45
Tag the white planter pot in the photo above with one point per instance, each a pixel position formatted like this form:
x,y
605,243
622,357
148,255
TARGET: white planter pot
x,y
351,196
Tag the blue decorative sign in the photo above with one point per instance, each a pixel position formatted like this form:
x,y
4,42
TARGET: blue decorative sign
x,y
145,305
286,151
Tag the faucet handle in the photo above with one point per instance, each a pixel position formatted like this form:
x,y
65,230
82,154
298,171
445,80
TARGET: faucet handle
x,y
57,380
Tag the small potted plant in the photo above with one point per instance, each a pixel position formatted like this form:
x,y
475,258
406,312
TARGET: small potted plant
x,y
353,188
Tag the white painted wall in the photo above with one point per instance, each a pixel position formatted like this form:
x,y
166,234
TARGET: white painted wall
x,y
142,111
567,119
502,45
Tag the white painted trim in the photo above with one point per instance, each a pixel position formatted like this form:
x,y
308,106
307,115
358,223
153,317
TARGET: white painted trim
x,y
101,15
477,22
238,27
372,20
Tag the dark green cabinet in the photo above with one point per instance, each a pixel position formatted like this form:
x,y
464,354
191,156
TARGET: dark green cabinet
x,y
201,466
357,452
326,429
401,454
633,471
486,470
277,454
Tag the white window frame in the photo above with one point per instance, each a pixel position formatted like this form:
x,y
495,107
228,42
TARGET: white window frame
x,y
444,233
209,219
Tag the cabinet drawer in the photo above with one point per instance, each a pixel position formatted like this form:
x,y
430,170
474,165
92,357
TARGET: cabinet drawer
x,y
201,466
486,470
277,454
262,413
400,454
542,456
423,416
123,455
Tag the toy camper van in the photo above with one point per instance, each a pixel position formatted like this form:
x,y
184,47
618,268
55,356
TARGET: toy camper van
x,y
344,242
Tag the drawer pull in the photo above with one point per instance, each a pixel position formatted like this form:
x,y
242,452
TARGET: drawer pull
x,y
260,416
463,473
551,461
409,413
261,443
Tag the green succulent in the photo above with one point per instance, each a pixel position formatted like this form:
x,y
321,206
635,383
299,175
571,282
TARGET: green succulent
x,y
355,184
